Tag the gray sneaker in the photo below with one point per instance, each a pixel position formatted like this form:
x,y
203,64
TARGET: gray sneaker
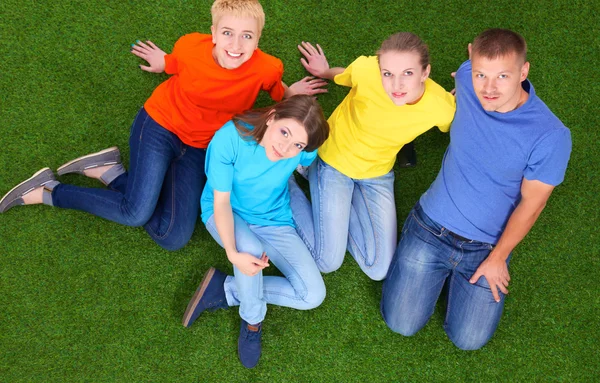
x,y
110,156
15,196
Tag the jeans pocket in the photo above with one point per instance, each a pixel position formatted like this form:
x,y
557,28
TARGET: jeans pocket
x,y
426,224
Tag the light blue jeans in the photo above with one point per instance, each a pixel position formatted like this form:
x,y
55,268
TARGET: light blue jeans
x,y
302,287
429,255
346,213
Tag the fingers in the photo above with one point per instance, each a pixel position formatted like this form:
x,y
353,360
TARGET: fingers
x,y
305,64
309,48
320,50
303,51
317,83
318,91
495,293
146,68
453,74
475,276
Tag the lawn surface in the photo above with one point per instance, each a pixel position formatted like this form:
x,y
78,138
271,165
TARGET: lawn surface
x,y
84,299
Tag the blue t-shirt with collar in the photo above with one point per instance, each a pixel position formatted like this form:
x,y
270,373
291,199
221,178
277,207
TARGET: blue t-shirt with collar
x,y
479,184
258,186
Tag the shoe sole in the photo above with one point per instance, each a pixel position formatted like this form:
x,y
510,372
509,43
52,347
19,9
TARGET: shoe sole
x,y
111,149
24,182
187,316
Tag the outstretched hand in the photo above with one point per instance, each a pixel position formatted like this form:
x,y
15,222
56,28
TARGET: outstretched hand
x,y
314,60
495,271
152,54
308,85
249,264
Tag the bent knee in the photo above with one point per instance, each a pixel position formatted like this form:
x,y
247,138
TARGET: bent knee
x,y
378,274
314,294
469,342
405,326
330,264
314,298
137,220
172,245
402,328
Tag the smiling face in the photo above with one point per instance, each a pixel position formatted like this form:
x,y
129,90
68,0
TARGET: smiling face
x,y
403,76
284,138
497,82
235,39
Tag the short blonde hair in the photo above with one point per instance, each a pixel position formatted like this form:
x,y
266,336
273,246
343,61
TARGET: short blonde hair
x,y
238,8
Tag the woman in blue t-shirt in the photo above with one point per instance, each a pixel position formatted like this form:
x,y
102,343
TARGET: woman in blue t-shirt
x,y
246,208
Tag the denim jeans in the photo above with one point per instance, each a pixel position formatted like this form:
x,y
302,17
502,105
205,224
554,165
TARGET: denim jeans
x,y
354,214
302,287
428,255
161,191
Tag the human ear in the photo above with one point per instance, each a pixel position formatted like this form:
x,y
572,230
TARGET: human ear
x,y
426,73
524,71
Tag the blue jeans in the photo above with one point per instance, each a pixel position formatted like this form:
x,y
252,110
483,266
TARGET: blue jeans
x,y
427,255
354,214
302,287
161,191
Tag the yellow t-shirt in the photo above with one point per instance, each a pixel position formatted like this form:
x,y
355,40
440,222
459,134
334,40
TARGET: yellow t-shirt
x,y
367,129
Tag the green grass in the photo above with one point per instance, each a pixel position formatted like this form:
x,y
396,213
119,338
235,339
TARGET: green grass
x,y
84,299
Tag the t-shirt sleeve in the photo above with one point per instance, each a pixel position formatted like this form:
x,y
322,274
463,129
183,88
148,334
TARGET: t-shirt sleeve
x,y
220,158
274,85
549,158
182,45
449,108
307,158
346,78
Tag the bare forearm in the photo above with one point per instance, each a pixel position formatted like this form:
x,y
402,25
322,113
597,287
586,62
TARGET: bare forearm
x,y
519,224
225,227
330,73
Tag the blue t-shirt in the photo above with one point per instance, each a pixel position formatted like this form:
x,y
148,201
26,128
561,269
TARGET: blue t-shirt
x,y
258,186
479,184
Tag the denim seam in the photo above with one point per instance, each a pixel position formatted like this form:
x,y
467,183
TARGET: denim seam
x,y
448,305
303,238
172,220
319,244
375,235
425,227
305,288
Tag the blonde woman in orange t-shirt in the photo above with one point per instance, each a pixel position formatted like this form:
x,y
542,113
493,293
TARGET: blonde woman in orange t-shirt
x,y
213,77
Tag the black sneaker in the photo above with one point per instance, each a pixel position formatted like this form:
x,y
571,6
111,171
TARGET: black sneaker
x,y
407,156
249,343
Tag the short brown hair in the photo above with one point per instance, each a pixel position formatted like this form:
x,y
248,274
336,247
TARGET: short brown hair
x,y
302,108
405,42
496,42
238,8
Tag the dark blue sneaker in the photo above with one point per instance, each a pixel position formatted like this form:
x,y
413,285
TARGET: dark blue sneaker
x,y
249,345
210,295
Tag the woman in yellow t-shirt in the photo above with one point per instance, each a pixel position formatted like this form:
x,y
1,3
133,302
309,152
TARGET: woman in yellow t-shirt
x,y
390,103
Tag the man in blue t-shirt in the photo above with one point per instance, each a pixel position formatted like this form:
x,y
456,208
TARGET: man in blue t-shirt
x,y
507,152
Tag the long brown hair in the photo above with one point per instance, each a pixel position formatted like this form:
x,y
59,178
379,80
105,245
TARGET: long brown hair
x,y
252,125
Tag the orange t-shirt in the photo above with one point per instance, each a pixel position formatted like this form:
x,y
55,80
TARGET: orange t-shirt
x,y
201,96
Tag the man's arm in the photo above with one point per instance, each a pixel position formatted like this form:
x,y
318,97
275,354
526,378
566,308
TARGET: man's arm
x,y
534,195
